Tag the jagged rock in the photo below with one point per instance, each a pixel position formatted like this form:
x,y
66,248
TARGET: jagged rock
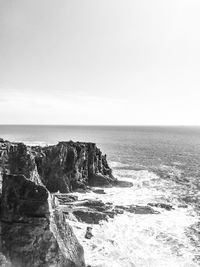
x,y
64,199
88,211
22,198
89,234
89,216
64,167
90,203
71,165
32,233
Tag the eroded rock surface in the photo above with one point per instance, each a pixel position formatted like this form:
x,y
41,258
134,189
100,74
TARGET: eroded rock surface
x,y
94,211
64,167
32,233
22,198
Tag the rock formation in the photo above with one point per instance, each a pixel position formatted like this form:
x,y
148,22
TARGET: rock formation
x,y
69,165
64,167
32,233
33,228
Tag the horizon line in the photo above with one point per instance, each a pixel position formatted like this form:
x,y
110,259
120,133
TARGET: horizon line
x,y
107,125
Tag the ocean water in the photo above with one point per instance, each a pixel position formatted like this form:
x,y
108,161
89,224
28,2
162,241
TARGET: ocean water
x,y
163,163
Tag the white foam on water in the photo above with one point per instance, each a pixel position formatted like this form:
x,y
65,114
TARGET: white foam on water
x,y
148,240
172,170
117,164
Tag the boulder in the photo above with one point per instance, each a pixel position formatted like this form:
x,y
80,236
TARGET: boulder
x,y
99,191
88,234
89,216
100,180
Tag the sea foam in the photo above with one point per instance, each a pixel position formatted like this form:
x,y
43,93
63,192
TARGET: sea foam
x,y
149,240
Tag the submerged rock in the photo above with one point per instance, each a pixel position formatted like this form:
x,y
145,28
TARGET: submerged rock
x,y
137,209
99,191
89,234
161,205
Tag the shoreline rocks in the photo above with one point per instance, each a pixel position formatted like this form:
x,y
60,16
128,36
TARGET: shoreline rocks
x,y
65,167
34,230
94,211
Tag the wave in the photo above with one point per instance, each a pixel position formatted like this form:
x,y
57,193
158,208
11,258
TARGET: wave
x,y
152,240
135,240
117,164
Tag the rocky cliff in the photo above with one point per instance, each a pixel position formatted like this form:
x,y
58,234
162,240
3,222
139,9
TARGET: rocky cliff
x,y
32,231
64,167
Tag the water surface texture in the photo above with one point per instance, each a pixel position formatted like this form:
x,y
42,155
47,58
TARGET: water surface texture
x,y
163,163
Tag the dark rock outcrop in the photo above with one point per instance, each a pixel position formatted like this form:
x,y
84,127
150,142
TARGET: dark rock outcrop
x,y
99,191
89,216
22,198
32,233
69,165
64,167
93,211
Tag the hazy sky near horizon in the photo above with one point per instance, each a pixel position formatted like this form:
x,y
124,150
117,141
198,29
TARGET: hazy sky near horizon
x,y
100,62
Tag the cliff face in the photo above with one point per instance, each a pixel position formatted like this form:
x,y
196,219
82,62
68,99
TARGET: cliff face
x,y
68,166
17,158
32,233
63,167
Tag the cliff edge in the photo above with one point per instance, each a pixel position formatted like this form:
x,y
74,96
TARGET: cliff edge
x,y
64,167
33,232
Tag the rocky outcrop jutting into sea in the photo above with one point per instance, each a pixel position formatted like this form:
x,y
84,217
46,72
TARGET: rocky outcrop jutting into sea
x,y
63,167
33,231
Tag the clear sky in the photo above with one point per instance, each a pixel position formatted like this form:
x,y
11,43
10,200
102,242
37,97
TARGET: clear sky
x,y
100,62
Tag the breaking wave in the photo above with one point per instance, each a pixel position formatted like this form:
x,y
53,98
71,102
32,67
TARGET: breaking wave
x,y
146,240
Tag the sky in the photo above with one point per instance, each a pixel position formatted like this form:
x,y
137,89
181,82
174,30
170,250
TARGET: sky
x,y
100,62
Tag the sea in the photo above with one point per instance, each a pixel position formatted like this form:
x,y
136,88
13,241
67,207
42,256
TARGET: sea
x,y
163,163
